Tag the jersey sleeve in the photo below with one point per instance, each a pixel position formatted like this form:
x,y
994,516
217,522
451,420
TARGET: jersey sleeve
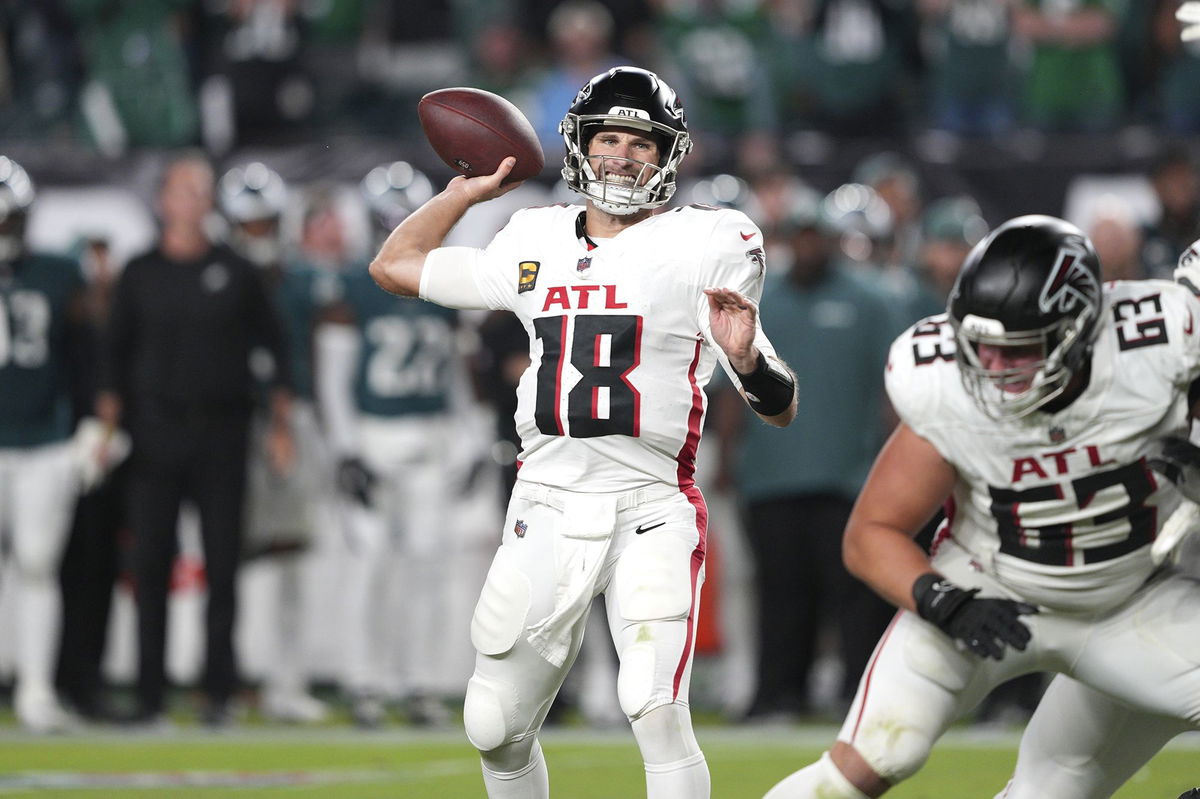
x,y
498,270
734,259
1182,311
920,360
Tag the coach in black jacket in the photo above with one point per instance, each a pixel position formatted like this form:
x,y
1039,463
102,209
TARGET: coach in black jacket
x,y
185,318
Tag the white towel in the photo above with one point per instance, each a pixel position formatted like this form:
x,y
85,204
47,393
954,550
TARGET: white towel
x,y
581,545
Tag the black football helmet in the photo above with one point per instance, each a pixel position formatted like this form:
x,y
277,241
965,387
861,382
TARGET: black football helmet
x,y
1033,281
632,98
253,198
16,195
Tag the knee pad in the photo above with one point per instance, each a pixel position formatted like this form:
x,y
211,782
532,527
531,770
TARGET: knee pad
x,y
635,680
666,739
489,713
503,605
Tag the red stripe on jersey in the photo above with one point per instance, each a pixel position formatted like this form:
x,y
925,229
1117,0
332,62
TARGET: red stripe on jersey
x,y
595,402
687,484
596,349
637,395
866,686
686,471
562,354
697,499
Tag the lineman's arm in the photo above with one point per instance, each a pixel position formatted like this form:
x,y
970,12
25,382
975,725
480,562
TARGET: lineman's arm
x,y
397,268
908,483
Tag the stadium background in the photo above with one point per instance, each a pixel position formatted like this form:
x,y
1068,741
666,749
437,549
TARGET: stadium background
x,y
95,94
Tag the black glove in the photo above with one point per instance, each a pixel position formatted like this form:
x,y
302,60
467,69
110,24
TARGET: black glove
x,y
1179,462
356,480
984,625
1194,793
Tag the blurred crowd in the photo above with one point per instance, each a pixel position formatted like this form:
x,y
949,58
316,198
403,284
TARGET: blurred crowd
x,y
327,464
123,74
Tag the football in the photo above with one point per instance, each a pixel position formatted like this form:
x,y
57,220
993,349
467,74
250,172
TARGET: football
x,y
473,130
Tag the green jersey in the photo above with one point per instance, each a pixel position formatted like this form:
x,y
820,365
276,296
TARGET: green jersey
x,y
408,347
300,295
35,404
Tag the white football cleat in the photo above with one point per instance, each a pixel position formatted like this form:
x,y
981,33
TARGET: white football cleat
x,y
294,707
40,713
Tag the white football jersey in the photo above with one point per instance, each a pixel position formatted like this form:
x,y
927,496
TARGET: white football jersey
x,y
1062,507
620,345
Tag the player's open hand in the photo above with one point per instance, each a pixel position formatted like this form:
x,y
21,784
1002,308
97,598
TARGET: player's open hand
x,y
734,321
485,187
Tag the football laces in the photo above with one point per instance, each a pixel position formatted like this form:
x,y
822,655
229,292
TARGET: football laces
x,y
1189,15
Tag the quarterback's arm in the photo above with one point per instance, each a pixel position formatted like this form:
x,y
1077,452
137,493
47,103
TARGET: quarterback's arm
x,y
398,265
908,483
766,383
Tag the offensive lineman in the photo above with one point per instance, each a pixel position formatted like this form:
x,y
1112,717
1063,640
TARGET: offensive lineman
x,y
1032,409
627,312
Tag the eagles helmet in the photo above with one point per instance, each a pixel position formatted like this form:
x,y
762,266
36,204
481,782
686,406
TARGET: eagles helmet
x,y
16,195
631,98
253,198
392,192
1033,282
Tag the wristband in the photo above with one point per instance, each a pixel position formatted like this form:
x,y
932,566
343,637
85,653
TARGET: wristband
x,y
768,391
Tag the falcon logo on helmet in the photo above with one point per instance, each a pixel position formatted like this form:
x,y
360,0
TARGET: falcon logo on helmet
x,y
1070,282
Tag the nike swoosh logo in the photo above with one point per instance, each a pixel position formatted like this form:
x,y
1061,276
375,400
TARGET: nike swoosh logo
x,y
645,527
746,236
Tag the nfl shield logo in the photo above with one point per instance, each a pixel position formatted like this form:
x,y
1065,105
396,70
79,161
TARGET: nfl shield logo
x,y
583,264
519,528
1057,435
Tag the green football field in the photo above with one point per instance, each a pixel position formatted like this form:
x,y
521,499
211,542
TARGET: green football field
x,y
345,764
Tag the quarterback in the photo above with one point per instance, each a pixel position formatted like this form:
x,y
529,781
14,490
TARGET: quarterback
x,y
628,312
1032,411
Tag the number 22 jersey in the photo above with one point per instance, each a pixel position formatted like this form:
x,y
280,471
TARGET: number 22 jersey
x,y
620,344
1062,507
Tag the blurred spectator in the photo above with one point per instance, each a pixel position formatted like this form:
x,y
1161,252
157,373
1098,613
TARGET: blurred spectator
x,y
39,65
333,30
1179,81
41,300
386,380
501,63
896,182
409,47
1175,179
860,223
138,91
713,47
774,189
1073,79
186,317
950,227
632,24
580,33
281,505
969,83
257,88
847,65
92,559
797,485
1117,238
